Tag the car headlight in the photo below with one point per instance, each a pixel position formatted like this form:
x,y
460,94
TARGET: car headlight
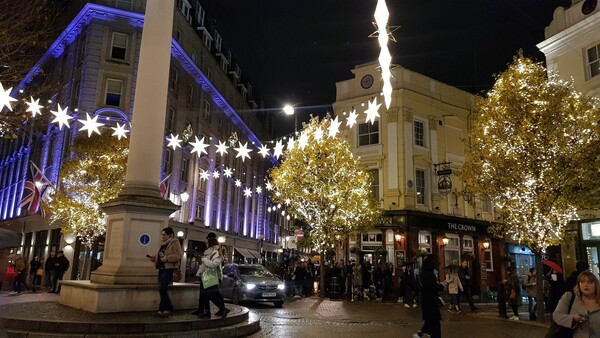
x,y
250,286
281,286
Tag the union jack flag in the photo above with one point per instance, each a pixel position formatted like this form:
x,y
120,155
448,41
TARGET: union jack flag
x,y
165,186
34,189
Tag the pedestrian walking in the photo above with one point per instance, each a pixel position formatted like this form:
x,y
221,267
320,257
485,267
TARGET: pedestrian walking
x,y
388,283
454,288
531,292
49,271
408,283
166,261
34,277
580,310
357,281
430,300
61,265
466,280
211,259
21,275
514,300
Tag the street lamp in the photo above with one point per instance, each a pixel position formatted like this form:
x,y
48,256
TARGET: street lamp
x,y
289,110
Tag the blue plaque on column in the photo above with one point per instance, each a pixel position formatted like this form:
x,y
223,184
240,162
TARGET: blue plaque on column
x,y
144,239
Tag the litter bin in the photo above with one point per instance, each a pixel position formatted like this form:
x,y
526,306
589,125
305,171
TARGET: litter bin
x,y
335,288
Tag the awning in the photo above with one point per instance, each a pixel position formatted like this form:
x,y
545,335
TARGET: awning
x,y
244,252
254,253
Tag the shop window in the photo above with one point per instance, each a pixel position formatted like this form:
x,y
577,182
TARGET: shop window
x,y
488,257
425,240
452,250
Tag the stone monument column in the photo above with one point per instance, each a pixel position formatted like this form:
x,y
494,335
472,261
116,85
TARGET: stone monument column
x,y
136,217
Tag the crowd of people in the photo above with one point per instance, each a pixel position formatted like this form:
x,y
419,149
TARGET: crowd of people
x,y
23,276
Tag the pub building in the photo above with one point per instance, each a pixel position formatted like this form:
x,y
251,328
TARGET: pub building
x,y
407,236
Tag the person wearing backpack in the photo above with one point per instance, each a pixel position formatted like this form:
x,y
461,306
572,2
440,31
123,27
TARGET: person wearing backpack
x,y
530,291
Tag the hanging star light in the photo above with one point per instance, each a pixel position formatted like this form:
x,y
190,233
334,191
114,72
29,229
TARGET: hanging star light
x,y
199,146
259,190
264,151
243,151
372,111
334,127
248,192
204,174
238,183
227,172
385,59
5,98
91,125
351,120
34,107
174,141
269,186
216,174
303,140
278,150
61,117
291,143
222,148
119,131
319,134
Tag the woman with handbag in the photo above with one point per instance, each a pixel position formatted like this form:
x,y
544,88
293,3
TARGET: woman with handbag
x,y
577,314
210,273
454,285
166,260
514,298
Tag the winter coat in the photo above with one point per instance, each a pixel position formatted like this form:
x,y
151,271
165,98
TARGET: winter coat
x,y
430,289
580,330
173,253
61,264
515,284
530,285
453,283
211,259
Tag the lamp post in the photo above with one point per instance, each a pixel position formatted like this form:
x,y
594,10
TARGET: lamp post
x,y
184,198
289,110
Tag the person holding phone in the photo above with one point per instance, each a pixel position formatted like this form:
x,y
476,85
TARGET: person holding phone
x,y
584,317
166,260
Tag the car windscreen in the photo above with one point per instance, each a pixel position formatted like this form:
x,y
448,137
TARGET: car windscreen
x,y
256,272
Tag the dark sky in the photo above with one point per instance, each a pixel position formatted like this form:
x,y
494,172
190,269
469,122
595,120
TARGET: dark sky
x,y
294,51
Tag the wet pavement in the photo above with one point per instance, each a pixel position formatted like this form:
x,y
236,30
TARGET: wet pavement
x,y
315,317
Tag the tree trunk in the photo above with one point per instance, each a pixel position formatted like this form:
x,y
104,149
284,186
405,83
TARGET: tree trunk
x,y
322,275
540,311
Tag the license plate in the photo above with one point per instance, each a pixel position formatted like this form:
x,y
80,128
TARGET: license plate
x,y
269,294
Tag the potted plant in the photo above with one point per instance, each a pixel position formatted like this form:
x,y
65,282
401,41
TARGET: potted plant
x,y
468,256
355,250
421,253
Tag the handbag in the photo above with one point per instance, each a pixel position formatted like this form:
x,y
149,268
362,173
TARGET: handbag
x,y
39,272
210,277
513,295
557,331
176,275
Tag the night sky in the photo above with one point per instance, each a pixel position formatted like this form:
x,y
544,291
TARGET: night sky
x,y
294,51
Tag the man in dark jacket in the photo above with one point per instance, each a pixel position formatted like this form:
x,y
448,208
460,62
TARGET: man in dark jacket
x,y
571,282
430,303
34,278
467,282
61,265
49,270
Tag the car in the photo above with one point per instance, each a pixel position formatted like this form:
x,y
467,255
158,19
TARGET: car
x,y
251,283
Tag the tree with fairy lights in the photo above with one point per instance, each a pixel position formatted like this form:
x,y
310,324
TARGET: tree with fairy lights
x,y
94,174
321,183
533,149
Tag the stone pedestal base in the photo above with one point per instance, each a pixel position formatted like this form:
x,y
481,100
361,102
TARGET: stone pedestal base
x,y
105,298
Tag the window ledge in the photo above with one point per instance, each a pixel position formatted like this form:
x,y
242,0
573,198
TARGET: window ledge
x,y
118,61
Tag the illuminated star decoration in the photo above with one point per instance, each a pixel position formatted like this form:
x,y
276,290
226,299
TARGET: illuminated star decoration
x,y
34,107
278,150
372,111
204,174
291,143
119,131
248,192
61,117
351,120
199,146
222,148
334,127
269,186
259,190
216,174
264,151
385,58
5,98
243,151
91,125
318,134
303,140
227,172
238,183
174,141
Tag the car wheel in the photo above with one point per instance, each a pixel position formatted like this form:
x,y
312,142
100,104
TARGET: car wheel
x,y
236,297
278,304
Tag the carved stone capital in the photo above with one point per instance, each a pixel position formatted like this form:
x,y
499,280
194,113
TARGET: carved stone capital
x,y
433,122
408,114
392,115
